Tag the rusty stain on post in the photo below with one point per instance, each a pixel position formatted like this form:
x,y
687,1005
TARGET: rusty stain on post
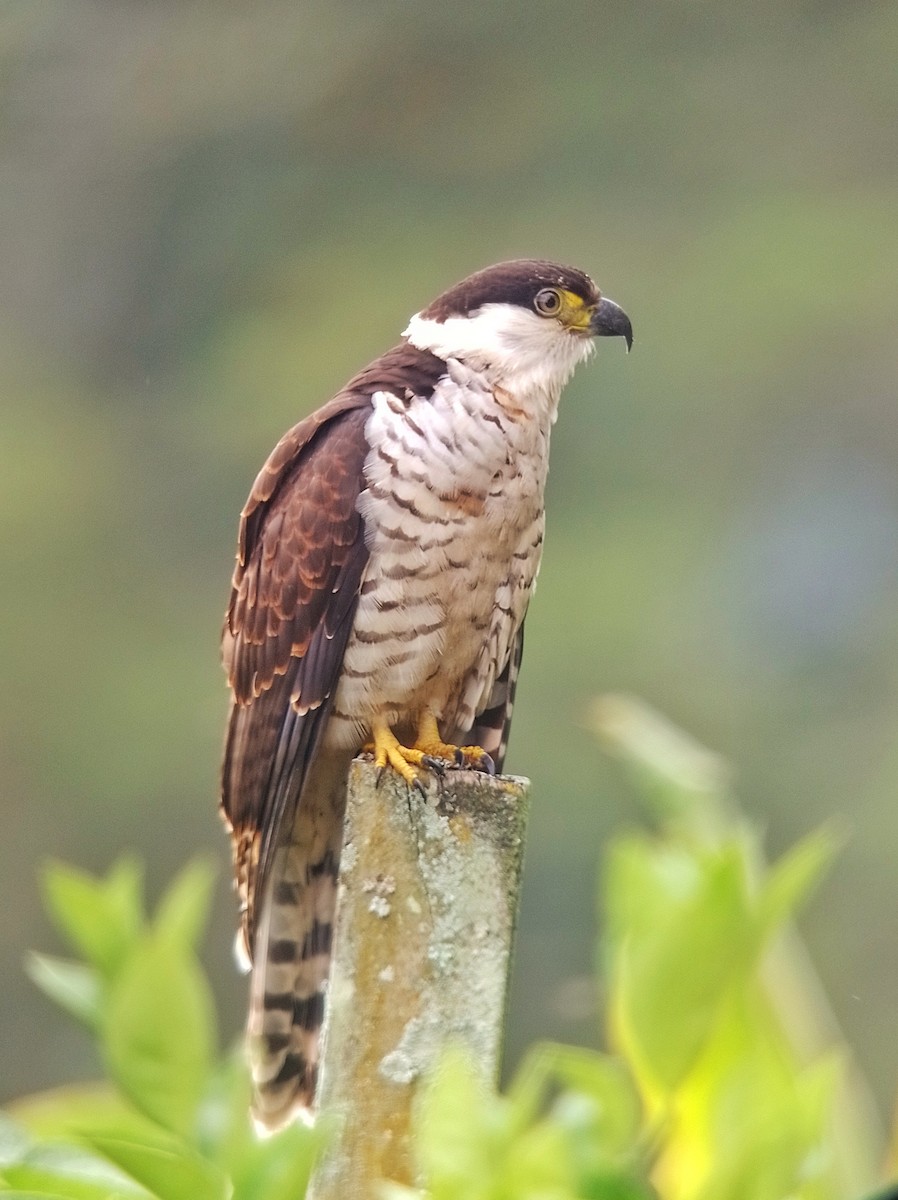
x,y
428,899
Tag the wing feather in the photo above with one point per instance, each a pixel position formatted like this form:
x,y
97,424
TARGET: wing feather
x,y
301,557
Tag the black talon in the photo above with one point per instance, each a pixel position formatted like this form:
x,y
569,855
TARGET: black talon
x,y
379,777
437,765
487,765
459,757
419,787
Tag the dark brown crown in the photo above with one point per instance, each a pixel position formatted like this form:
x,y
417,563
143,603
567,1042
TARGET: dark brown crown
x,y
515,282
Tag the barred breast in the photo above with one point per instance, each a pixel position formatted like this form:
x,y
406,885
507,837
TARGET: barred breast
x,y
454,519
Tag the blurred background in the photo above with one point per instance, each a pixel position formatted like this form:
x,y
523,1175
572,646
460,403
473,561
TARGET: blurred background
x,y
213,214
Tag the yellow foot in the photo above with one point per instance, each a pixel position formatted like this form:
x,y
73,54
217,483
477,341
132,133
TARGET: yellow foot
x,y
429,740
429,752
403,759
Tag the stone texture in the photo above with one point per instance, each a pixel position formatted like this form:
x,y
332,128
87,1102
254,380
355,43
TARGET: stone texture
x,y
426,912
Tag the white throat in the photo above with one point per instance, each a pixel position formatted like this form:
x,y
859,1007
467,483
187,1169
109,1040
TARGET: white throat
x,y
531,356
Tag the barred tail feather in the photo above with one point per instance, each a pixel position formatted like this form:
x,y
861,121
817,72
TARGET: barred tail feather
x,y
292,952
492,726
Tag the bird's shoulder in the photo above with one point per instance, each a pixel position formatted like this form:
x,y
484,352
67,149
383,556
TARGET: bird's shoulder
x,y
300,550
404,371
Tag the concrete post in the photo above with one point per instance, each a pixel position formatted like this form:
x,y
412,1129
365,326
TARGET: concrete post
x,y
427,905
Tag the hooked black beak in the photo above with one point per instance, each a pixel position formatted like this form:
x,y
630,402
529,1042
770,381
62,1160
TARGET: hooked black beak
x,y
610,320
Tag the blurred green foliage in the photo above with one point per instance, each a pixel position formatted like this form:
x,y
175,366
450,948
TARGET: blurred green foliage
x,y
214,214
710,1087
172,1120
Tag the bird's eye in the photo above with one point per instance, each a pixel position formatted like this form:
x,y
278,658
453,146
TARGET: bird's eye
x,y
547,302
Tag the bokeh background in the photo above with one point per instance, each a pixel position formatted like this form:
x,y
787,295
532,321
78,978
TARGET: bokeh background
x,y
213,213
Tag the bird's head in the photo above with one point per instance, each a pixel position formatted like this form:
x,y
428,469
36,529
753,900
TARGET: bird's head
x,y
526,323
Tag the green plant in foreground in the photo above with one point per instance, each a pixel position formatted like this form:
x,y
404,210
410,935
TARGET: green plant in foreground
x,y
717,1083
172,1120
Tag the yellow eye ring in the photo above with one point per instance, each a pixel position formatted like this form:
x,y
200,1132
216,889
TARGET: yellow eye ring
x,y
547,302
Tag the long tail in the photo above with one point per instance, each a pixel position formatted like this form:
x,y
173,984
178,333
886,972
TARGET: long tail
x,y
292,951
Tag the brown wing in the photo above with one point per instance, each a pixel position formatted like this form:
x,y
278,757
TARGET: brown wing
x,y
301,555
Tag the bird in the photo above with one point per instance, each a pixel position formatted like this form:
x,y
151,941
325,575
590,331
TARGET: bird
x,y
385,560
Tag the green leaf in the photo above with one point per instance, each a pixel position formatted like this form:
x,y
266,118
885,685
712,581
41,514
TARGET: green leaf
x,y
538,1165
455,1127
670,978
74,1172
184,909
615,1113
612,1111
782,1149
617,1185
15,1194
791,879
66,1112
159,1033
644,880
278,1168
528,1088
101,918
14,1142
471,1144
166,1166
224,1131
75,987
52,1188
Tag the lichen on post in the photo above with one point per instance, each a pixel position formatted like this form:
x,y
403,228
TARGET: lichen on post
x,y
428,898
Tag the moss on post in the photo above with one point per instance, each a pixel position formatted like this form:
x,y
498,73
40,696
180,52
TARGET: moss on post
x,y
428,899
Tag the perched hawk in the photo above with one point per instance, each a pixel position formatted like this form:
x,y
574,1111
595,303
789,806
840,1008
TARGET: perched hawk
x,y
385,561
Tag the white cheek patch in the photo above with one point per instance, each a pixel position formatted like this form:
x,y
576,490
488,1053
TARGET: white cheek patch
x,y
515,345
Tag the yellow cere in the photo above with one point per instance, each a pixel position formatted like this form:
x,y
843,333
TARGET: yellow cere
x,y
575,312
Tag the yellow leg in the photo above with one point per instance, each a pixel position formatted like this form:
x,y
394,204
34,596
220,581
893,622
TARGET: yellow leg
x,y
429,752
428,739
